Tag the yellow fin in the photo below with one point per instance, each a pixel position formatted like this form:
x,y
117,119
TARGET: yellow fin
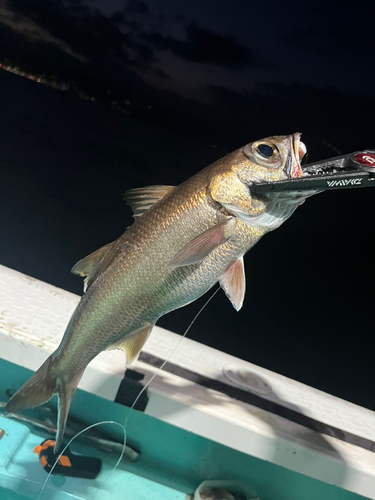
x,y
141,199
86,266
133,345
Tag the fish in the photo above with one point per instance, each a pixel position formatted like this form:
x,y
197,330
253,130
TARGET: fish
x,y
184,240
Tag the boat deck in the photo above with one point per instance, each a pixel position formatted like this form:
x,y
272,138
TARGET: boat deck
x,y
207,415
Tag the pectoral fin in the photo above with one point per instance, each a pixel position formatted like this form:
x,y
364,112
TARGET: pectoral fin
x,y
234,284
133,345
197,249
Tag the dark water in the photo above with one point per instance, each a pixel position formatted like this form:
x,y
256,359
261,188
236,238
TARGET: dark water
x,y
64,165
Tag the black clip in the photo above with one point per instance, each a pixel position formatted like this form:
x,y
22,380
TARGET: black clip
x,y
68,464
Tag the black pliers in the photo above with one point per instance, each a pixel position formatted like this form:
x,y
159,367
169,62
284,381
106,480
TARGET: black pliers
x,y
353,170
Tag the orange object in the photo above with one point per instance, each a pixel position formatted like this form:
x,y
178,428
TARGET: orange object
x,y
38,449
65,461
68,464
44,446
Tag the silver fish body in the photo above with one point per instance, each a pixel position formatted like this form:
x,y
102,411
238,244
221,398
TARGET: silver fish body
x,y
183,241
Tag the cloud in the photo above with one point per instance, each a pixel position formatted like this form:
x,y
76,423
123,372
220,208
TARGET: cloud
x,y
132,8
203,46
160,73
33,32
82,32
73,44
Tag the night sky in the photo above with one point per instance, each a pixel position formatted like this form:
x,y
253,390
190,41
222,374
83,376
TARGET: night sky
x,y
173,87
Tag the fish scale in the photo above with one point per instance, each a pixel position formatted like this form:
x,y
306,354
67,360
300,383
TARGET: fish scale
x,y
184,240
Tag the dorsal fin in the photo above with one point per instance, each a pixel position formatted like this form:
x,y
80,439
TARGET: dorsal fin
x,y
86,266
141,199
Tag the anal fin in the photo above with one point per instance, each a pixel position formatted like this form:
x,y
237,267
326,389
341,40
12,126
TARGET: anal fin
x,y
132,345
233,283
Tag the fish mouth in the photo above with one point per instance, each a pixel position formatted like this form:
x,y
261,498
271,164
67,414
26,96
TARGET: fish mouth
x,y
297,151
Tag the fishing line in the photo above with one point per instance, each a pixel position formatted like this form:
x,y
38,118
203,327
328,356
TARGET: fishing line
x,y
172,352
157,372
123,426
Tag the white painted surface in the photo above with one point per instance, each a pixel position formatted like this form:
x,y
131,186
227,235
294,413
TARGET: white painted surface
x,y
33,317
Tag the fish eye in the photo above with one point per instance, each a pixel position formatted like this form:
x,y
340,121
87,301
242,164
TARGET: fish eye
x,y
265,150
264,153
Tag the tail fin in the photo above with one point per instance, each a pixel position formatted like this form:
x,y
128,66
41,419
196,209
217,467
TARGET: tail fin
x,y
36,391
40,388
65,391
